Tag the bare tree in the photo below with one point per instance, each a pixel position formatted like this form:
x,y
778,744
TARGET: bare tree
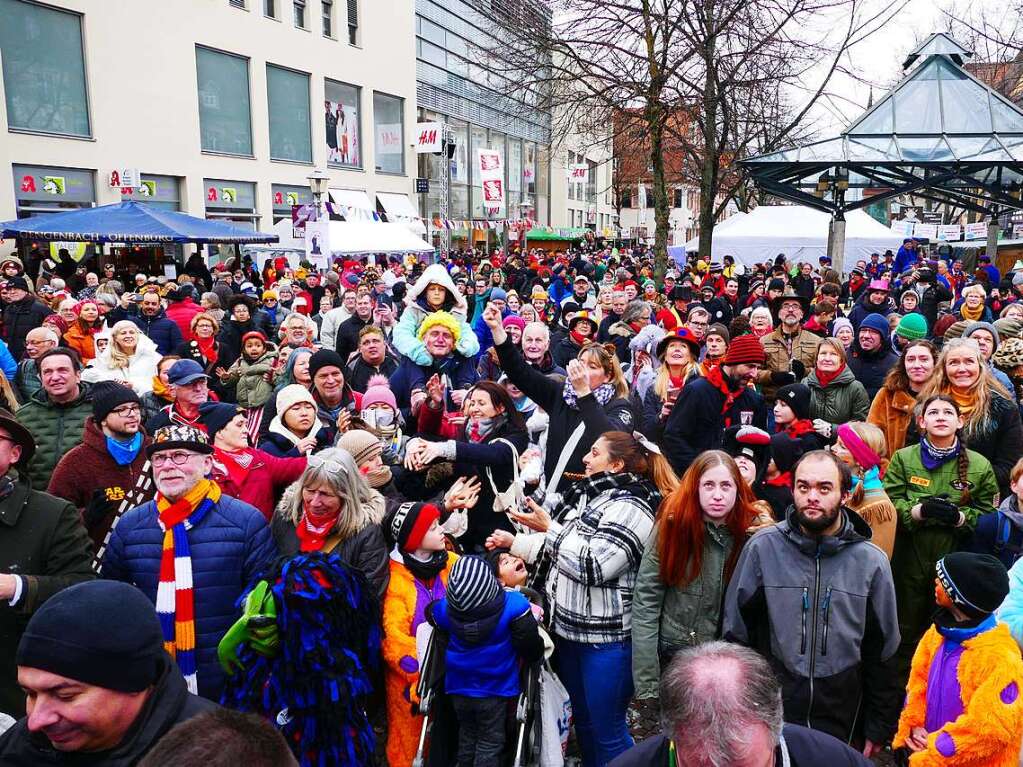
x,y
715,80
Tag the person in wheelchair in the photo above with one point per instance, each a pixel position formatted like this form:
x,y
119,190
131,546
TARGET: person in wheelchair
x,y
490,629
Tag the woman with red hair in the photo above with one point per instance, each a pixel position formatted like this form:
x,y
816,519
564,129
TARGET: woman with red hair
x,y
688,561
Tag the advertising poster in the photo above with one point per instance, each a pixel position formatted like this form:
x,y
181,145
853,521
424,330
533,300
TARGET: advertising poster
x,y
926,231
976,231
389,138
488,161
342,132
317,243
950,233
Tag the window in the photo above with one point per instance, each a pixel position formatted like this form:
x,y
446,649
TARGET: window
x,y
43,69
431,53
430,31
627,197
327,7
353,22
269,8
237,3
287,95
343,129
224,118
299,11
388,126
676,198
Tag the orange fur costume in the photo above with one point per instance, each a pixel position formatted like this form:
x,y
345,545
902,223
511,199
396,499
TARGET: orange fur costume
x,y
988,732
401,669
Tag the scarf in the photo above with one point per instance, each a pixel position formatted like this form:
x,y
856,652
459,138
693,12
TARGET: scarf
x,y
716,377
425,570
933,457
578,338
235,464
378,478
311,536
824,378
604,394
965,399
175,602
782,480
207,348
637,326
124,453
161,390
871,479
973,315
592,486
477,429
800,427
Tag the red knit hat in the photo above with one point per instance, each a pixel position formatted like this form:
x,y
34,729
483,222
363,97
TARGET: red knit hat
x,y
254,334
745,350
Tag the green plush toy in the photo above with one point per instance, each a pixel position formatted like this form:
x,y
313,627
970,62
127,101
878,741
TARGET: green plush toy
x,y
257,626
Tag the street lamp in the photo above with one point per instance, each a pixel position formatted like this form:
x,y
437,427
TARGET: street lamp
x,y
318,180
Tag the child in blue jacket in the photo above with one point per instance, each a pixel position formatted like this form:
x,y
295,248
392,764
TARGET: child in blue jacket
x,y
490,629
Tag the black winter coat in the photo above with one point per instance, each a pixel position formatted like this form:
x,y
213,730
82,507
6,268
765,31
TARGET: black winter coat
x,y
696,423
358,371
870,368
42,539
347,339
19,318
548,394
170,703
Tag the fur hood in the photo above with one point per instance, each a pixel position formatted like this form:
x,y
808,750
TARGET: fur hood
x,y
437,274
621,329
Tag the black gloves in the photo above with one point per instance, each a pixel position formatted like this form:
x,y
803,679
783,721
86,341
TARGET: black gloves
x,y
798,368
940,509
783,378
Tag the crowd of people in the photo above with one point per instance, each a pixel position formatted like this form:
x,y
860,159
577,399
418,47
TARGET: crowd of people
x,y
723,516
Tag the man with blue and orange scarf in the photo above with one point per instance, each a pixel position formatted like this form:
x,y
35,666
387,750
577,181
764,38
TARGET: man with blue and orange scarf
x,y
192,550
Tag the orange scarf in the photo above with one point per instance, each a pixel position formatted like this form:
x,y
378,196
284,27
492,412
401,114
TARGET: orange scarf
x,y
966,400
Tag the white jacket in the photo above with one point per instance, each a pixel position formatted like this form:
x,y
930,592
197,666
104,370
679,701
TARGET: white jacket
x,y
140,371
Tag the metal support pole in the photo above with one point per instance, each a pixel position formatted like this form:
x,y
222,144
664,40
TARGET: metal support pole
x,y
836,242
992,237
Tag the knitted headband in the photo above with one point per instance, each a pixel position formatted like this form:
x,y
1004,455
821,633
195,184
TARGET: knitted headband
x,y
859,449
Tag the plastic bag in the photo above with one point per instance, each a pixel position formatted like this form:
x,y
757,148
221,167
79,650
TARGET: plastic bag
x,y
555,719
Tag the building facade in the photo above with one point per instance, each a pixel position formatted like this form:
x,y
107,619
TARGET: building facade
x,y
453,87
582,185
223,107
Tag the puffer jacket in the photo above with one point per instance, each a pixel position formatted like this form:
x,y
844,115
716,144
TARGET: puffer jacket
x,y
252,380
841,401
667,618
804,348
919,545
1000,533
140,371
21,317
56,428
405,339
892,413
870,368
863,307
230,547
181,314
822,611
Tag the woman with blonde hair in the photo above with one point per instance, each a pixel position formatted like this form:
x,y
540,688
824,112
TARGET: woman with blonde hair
x,y
861,446
131,358
973,306
991,421
835,394
687,564
679,355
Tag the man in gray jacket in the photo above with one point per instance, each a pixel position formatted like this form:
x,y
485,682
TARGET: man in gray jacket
x,y
815,597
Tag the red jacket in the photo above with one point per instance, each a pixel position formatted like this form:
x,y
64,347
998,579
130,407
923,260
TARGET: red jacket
x,y
88,477
267,478
182,313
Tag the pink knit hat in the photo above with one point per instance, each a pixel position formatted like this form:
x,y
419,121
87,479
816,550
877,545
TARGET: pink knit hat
x,y
378,392
514,319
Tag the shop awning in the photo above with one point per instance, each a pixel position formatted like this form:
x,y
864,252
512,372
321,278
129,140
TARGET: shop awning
x,y
128,222
355,204
399,208
355,237
572,233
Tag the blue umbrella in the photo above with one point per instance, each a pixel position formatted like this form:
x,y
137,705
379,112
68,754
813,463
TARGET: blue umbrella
x,y
129,221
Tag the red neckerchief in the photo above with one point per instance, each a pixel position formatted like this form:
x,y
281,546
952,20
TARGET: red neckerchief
x,y
797,429
826,378
782,480
208,348
578,338
638,326
676,383
716,378
311,537
232,463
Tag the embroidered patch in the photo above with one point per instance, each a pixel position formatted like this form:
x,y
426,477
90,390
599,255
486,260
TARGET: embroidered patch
x,y
746,417
921,481
960,484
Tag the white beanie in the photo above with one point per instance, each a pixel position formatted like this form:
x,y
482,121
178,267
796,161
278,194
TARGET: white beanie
x,y
291,395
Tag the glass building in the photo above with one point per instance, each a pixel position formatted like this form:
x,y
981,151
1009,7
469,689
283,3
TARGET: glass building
x,y
453,88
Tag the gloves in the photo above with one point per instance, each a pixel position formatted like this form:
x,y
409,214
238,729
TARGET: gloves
x,y
938,508
822,427
257,626
782,377
798,368
100,508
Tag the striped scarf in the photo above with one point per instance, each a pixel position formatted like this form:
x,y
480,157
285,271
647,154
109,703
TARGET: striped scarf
x,y
175,602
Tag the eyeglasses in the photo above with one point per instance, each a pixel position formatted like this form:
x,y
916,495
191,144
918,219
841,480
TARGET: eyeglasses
x,y
177,457
124,411
316,462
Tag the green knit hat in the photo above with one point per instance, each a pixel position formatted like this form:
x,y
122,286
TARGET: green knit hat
x,y
912,327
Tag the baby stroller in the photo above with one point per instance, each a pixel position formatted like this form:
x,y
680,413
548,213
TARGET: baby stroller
x,y
430,690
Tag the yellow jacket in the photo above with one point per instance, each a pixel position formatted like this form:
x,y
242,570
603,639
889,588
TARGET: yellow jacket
x,y
988,732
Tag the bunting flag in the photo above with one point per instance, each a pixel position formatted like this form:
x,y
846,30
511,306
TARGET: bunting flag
x,y
349,213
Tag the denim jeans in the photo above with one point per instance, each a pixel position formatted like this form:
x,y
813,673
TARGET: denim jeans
x,y
598,678
481,729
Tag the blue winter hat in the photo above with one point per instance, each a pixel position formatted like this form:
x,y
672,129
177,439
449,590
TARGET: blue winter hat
x,y
877,323
498,294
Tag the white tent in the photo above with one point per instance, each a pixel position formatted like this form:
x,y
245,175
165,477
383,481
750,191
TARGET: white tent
x,y
346,238
800,233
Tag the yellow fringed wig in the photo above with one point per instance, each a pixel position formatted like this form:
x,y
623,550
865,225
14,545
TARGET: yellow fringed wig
x,y
443,319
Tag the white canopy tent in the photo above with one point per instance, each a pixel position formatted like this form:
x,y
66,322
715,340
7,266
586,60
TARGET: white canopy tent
x,y
798,232
346,238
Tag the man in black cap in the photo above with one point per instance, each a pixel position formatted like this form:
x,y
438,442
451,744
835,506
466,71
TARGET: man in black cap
x,y
95,697
335,399
22,312
43,549
108,473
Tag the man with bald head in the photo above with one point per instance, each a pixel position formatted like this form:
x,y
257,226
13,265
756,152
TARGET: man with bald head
x,y
37,341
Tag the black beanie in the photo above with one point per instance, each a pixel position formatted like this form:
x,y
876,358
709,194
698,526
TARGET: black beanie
x,y
785,451
325,358
216,415
109,395
797,397
776,283
976,583
64,637
408,523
